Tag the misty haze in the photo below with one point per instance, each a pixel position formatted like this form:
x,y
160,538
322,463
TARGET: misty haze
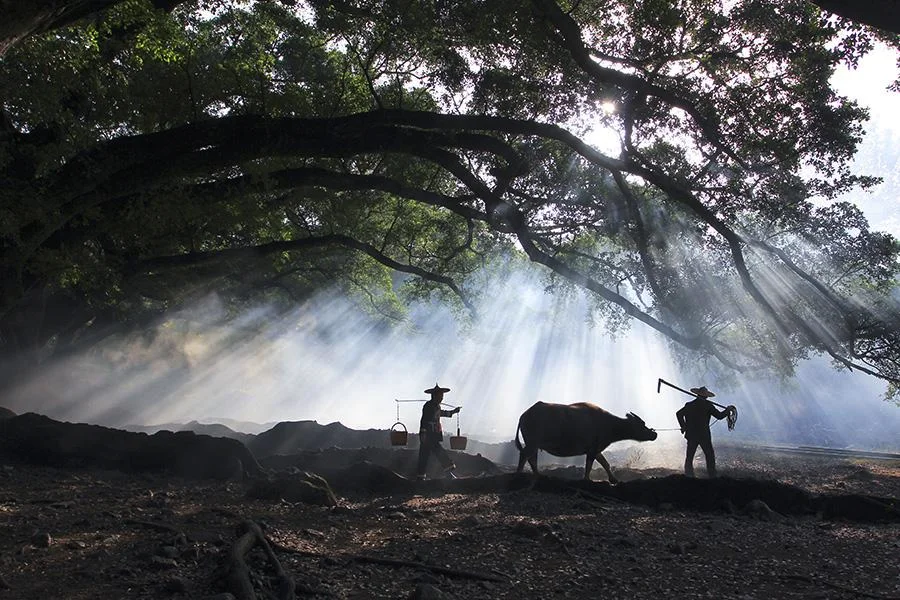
x,y
327,361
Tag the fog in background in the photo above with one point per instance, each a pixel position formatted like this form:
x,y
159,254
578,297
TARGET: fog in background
x,y
327,361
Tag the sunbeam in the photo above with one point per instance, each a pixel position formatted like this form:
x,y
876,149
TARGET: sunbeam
x,y
328,361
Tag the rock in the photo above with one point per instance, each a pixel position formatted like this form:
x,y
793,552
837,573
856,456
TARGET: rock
x,y
224,596
205,537
76,545
369,477
426,591
859,474
168,552
678,547
175,585
529,530
760,510
160,563
718,526
728,506
308,488
472,521
429,578
311,587
41,539
314,533
330,561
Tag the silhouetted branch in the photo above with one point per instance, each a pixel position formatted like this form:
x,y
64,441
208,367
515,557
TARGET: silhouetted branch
x,y
255,252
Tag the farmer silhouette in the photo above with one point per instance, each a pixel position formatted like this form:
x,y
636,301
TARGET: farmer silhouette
x,y
693,418
430,433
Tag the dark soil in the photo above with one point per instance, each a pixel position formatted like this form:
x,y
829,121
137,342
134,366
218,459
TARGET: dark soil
x,y
83,533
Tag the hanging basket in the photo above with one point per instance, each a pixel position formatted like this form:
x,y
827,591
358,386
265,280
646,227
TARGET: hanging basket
x,y
458,442
399,436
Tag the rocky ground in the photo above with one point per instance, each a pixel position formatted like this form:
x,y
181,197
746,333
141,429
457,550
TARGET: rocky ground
x,y
79,533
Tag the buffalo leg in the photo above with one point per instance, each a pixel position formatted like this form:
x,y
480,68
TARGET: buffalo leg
x,y
588,465
605,464
529,454
522,458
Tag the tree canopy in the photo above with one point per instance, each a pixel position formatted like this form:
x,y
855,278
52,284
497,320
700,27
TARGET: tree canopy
x,y
270,149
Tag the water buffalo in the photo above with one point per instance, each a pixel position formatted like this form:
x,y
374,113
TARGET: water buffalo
x,y
575,429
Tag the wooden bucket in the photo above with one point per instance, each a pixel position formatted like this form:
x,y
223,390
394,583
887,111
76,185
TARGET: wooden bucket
x,y
399,437
458,442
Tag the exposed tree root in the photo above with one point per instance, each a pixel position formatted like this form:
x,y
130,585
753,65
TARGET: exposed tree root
x,y
395,562
237,577
837,586
238,573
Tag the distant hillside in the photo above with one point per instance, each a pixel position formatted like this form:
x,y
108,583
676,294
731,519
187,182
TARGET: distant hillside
x,y
211,429
294,437
291,437
243,426
297,437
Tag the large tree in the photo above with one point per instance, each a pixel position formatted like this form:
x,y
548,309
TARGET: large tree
x,y
25,18
267,150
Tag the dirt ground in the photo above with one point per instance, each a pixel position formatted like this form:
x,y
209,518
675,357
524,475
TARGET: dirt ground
x,y
80,534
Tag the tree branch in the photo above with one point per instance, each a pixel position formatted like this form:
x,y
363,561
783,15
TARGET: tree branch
x,y
255,252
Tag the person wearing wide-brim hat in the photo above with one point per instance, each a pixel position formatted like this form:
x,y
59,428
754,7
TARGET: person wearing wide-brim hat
x,y
431,434
693,418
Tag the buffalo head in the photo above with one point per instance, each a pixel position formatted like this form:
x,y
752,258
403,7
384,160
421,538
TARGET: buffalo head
x,y
638,430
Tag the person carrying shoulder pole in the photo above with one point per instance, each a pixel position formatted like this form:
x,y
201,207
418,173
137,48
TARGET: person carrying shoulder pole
x,y
431,434
693,418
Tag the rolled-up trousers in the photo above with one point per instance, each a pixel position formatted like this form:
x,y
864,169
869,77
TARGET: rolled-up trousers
x,y
430,443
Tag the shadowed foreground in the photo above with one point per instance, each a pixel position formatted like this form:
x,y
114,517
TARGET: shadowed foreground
x,y
80,529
